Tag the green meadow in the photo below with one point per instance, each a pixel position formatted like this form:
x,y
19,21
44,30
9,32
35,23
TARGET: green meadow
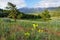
x,y
11,30
34,25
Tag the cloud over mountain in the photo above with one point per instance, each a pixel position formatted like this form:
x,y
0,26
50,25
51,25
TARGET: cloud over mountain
x,y
19,3
47,3
31,3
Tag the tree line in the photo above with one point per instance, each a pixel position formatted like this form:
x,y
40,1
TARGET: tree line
x,y
13,12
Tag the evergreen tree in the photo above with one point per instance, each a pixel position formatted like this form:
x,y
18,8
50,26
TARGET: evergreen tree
x,y
46,15
13,11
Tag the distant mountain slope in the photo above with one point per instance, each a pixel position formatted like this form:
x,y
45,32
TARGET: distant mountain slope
x,y
33,10
54,9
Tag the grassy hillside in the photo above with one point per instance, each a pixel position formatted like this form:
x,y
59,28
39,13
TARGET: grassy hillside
x,y
31,29
55,12
10,30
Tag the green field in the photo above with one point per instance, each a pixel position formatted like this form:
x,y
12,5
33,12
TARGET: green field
x,y
29,23
10,30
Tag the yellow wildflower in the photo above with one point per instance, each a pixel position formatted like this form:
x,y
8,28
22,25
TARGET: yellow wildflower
x,y
40,30
27,34
35,26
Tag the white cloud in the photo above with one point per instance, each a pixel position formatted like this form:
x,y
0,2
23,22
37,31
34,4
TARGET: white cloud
x,y
47,3
18,3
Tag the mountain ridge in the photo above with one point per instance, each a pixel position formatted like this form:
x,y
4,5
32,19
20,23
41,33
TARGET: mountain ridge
x,y
33,10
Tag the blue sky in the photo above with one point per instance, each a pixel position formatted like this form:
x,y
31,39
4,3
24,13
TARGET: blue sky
x,y
31,3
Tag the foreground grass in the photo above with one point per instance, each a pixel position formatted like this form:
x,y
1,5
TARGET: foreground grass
x,y
10,30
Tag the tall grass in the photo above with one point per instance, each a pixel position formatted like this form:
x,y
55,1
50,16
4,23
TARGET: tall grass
x,y
10,30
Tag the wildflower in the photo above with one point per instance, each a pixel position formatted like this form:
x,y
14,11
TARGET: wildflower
x,y
27,34
35,26
40,30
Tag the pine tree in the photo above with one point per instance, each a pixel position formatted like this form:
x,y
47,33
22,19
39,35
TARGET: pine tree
x,y
46,15
13,10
